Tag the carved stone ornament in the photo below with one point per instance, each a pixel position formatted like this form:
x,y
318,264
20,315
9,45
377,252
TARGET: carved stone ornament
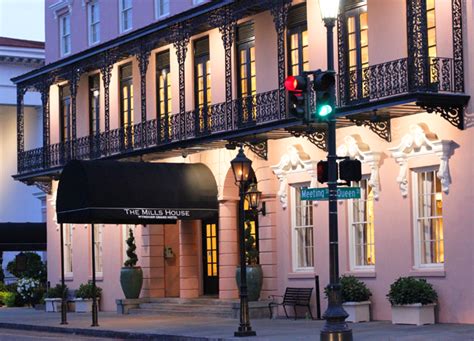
x,y
356,149
420,141
294,160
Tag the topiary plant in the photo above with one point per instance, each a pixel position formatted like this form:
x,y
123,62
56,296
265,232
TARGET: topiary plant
x,y
354,290
410,290
132,256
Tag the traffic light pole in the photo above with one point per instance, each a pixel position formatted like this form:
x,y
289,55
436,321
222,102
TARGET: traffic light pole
x,y
335,327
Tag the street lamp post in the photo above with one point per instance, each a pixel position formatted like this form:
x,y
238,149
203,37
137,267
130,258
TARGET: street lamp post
x,y
241,166
335,327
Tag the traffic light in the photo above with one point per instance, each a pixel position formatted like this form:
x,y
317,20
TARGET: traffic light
x,y
324,84
323,172
297,88
350,170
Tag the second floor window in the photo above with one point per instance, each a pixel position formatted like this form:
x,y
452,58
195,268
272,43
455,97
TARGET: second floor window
x,y
361,228
431,26
358,49
162,8
297,44
302,231
94,104
163,92
125,15
94,22
202,78
65,34
126,102
246,71
65,113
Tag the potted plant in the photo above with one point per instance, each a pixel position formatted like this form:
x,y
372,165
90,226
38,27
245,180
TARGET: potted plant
x,y
413,301
254,270
355,299
53,298
84,295
131,276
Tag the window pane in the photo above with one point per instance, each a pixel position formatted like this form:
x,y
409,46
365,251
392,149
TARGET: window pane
x,y
363,21
350,25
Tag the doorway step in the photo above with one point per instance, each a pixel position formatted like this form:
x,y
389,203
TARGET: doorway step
x,y
210,307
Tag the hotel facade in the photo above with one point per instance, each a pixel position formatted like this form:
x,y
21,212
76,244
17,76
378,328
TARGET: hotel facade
x,y
187,81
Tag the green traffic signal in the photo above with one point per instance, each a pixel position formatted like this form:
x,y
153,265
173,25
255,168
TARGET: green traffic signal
x,y
324,84
325,110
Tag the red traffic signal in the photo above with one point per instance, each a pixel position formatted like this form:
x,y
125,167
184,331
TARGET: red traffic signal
x,y
350,170
296,84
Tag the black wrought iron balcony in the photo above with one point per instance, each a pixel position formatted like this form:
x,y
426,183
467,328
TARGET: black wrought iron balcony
x,y
258,110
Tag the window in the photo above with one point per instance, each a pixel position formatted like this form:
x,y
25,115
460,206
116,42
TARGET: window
x,y
162,8
361,228
302,231
65,115
65,34
246,71
298,51
67,230
358,48
163,96
126,104
94,105
431,26
94,22
428,220
125,9
98,230
202,81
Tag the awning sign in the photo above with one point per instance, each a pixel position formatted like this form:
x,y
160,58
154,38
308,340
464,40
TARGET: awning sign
x,y
158,214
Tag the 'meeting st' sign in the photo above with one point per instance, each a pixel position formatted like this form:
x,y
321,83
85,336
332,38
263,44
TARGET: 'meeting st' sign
x,y
323,193
157,214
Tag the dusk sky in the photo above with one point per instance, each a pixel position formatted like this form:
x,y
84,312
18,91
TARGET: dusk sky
x,y
22,19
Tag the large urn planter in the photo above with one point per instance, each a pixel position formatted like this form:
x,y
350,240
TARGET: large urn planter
x,y
358,311
254,281
52,305
131,280
417,314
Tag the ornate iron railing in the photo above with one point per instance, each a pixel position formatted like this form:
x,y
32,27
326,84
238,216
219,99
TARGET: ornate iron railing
x,y
249,111
395,78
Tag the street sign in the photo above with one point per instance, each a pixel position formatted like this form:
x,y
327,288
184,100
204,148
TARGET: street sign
x,y
323,193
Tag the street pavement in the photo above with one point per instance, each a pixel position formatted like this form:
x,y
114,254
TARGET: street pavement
x,y
161,327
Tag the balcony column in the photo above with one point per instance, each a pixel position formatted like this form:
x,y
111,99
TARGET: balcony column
x,y
458,46
20,125
106,72
73,86
279,11
43,87
417,37
180,40
226,22
143,57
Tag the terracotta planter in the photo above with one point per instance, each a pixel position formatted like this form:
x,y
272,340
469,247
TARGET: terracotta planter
x,y
131,280
358,311
254,281
52,305
417,314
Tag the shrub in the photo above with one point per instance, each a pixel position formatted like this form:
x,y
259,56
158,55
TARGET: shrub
x,y
8,298
410,290
86,291
30,290
132,256
34,268
57,292
354,290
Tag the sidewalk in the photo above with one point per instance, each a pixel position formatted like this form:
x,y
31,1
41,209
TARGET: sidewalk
x,y
184,328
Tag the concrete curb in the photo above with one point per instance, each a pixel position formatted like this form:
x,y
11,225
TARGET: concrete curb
x,y
104,333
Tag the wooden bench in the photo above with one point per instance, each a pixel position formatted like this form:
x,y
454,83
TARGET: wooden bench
x,y
295,297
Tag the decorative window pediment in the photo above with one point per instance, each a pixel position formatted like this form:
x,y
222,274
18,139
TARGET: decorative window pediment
x,y
355,148
294,160
61,7
421,141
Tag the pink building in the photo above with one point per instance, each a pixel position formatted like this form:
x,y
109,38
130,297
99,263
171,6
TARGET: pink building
x,y
177,81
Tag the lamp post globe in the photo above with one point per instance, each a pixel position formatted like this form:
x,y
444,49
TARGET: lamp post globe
x,y
253,196
241,166
329,9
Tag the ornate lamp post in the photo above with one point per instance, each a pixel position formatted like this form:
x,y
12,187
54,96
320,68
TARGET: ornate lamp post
x,y
335,327
241,166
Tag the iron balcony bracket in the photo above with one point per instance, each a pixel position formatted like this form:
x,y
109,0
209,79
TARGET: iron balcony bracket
x,y
454,114
316,136
379,124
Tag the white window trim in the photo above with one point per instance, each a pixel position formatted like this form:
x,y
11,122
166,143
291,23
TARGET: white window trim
x,y
121,10
90,23
352,253
157,7
294,248
100,231
61,35
68,256
416,236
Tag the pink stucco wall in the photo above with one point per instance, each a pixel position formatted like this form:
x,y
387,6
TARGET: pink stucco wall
x,y
393,212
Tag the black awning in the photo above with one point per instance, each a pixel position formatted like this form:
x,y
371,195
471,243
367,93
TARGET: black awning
x,y
22,236
115,192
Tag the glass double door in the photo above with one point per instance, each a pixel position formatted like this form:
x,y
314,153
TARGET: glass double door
x,y
210,257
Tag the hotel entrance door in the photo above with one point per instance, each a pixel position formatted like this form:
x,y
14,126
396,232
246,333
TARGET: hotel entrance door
x,y
210,257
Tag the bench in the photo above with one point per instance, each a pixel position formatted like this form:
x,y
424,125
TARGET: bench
x,y
295,297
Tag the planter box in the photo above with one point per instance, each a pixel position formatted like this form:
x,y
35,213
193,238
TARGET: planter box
x,y
417,314
84,305
53,305
358,311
